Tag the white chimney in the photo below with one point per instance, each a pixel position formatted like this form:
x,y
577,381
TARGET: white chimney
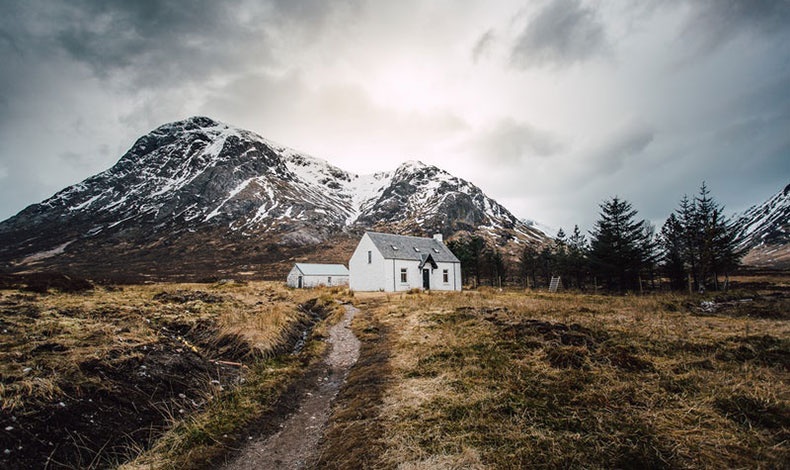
x,y
438,238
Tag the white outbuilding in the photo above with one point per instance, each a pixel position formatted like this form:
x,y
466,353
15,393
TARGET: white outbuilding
x,y
392,263
314,275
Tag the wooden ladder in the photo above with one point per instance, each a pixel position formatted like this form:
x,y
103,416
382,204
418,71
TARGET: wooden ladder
x,y
556,283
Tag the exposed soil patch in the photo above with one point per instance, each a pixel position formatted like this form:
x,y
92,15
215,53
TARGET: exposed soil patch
x,y
124,401
42,282
183,296
293,447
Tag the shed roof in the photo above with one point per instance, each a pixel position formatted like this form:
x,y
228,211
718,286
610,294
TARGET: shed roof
x,y
309,269
411,248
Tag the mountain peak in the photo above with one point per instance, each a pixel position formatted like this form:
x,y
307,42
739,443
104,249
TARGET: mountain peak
x,y
765,231
192,123
200,182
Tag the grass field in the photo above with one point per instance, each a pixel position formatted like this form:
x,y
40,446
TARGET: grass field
x,y
180,375
91,378
488,379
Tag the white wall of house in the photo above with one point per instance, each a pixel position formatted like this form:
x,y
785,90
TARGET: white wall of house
x,y
314,280
369,274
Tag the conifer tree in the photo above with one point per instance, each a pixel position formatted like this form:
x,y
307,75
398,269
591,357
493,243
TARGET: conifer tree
x,y
698,240
619,248
528,263
577,256
671,241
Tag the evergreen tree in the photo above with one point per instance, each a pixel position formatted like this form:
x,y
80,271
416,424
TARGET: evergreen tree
x,y
470,252
560,255
496,267
546,264
699,240
671,241
577,257
619,248
528,265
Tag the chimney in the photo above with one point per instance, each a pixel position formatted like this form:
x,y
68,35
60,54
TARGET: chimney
x,y
438,238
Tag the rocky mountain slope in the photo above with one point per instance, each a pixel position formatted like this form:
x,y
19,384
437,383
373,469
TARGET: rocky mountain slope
x,y
765,232
201,198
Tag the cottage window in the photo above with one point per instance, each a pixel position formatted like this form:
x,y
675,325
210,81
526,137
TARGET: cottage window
x,y
446,276
403,275
329,281
370,257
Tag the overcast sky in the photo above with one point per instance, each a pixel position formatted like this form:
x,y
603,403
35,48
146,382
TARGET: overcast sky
x,y
549,106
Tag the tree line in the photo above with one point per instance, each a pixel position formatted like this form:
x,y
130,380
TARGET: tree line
x,y
695,248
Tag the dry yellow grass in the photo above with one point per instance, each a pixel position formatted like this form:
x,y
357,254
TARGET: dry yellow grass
x,y
148,351
530,380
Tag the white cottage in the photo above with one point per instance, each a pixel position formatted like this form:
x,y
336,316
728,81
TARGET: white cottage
x,y
392,263
314,275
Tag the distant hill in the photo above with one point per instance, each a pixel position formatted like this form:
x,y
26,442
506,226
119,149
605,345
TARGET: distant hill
x,y
199,199
765,232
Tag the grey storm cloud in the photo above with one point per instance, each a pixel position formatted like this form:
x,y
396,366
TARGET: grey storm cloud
x,y
624,143
154,42
712,23
561,33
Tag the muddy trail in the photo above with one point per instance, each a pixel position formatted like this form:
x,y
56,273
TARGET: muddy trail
x,y
296,444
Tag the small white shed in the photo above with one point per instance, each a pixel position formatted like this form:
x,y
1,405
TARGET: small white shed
x,y
313,275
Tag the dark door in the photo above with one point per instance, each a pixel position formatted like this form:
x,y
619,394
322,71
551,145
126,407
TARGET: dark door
x,y
299,282
426,279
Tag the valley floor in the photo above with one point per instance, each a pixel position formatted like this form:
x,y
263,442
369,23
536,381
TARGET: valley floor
x,y
477,379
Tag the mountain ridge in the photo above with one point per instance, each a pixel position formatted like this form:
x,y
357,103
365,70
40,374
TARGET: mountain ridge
x,y
202,181
764,232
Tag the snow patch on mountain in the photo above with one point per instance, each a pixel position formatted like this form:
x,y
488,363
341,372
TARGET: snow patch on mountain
x,y
767,223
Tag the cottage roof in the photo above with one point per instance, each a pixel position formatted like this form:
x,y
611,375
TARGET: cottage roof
x,y
411,248
308,269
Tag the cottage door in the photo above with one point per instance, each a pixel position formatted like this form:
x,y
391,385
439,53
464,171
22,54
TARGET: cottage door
x,y
299,282
426,279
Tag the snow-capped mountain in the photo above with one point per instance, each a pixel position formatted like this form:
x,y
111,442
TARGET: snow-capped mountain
x,y
765,231
202,188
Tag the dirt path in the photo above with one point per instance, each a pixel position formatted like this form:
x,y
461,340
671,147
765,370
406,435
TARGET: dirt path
x,y
296,444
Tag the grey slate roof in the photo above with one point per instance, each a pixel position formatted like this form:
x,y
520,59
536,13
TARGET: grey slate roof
x,y
403,247
308,269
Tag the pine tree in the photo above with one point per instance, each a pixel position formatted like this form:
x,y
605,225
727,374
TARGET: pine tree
x,y
470,253
577,256
528,264
699,240
672,245
619,248
559,261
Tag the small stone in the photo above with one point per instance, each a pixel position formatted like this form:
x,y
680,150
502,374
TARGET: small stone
x,y
9,428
